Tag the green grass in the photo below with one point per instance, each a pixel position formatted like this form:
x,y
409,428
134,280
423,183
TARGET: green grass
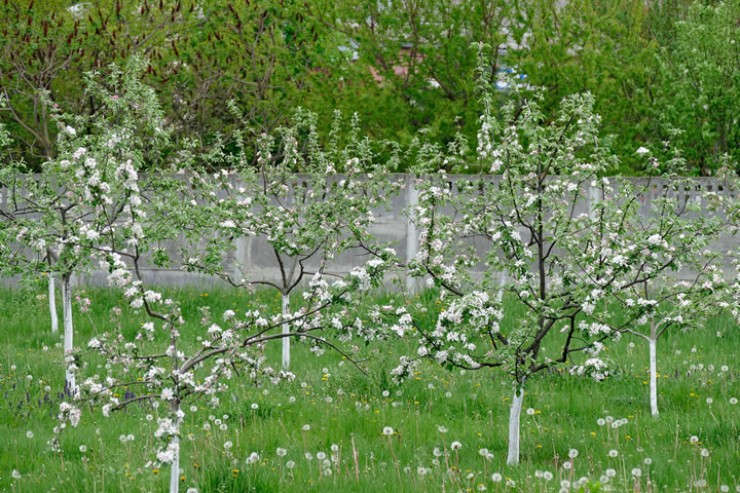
x,y
349,410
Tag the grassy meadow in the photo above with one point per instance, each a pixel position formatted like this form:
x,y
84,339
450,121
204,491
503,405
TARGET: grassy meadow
x,y
334,429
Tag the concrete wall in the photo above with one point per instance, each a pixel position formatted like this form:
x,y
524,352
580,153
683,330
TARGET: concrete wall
x,y
254,259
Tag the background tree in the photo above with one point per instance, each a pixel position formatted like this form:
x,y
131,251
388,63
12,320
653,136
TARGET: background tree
x,y
606,48
697,105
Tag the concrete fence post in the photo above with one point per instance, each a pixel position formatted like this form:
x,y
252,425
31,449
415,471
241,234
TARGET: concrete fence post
x,y
240,258
594,198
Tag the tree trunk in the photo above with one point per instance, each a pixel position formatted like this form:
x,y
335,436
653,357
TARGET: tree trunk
x,y
286,330
175,466
514,415
652,342
68,331
53,305
501,285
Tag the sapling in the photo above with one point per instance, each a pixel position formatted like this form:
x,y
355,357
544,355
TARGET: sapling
x,y
160,367
63,213
166,370
13,259
531,222
304,203
678,282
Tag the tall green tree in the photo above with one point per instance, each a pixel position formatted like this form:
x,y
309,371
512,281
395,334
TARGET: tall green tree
x,y
698,105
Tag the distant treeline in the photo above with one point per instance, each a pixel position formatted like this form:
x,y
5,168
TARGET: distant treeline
x,y
665,74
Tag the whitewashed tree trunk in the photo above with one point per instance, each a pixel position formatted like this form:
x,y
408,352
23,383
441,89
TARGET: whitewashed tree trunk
x,y
175,467
68,330
501,284
653,344
53,305
514,425
286,330
653,377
